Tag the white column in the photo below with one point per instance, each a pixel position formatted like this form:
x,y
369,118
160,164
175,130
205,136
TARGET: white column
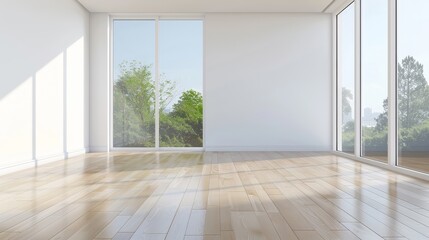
x,y
336,117
156,84
392,123
357,79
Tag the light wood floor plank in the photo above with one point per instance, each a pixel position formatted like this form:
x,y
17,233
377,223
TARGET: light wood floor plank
x,y
212,195
253,225
308,235
362,231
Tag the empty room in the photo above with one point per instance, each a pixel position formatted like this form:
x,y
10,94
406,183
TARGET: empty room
x,y
214,119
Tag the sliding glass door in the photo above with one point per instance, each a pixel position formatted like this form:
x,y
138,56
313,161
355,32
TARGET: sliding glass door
x,y
157,84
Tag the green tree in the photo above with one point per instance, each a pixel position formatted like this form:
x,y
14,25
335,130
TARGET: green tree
x,y
413,96
412,93
134,111
134,104
167,91
413,111
126,129
382,119
190,106
184,124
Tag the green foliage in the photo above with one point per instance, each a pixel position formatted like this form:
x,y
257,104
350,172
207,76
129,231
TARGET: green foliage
x,y
413,96
348,141
348,135
134,111
126,128
415,139
173,131
412,93
185,121
382,119
374,140
134,106
167,90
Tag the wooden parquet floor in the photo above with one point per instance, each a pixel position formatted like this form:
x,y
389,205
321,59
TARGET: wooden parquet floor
x,y
212,195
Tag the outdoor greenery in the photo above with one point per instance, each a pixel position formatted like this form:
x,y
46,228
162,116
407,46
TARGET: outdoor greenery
x,y
134,111
413,114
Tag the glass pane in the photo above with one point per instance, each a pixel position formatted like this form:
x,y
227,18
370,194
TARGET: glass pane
x,y
374,40
181,83
134,83
413,90
345,78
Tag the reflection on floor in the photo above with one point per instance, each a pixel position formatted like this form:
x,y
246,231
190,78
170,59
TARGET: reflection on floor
x,y
213,195
416,162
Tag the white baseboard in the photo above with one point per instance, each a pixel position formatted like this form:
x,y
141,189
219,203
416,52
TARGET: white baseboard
x,y
162,149
77,152
40,160
268,148
220,149
19,167
98,149
50,158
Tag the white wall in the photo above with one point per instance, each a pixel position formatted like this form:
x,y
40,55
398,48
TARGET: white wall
x,y
99,61
43,80
268,82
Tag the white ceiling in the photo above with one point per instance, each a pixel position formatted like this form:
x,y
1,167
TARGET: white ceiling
x,y
204,6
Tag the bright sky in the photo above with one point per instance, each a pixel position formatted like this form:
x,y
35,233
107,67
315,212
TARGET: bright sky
x,y
181,46
413,39
374,42
346,50
180,49
413,31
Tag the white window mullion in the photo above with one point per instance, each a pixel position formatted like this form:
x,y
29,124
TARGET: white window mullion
x,y
392,121
157,95
357,94
110,86
337,116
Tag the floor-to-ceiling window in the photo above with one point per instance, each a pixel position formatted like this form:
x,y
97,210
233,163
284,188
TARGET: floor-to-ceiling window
x,y
412,84
393,85
374,75
345,79
157,83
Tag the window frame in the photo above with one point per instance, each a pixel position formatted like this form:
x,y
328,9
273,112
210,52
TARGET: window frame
x,y
156,18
